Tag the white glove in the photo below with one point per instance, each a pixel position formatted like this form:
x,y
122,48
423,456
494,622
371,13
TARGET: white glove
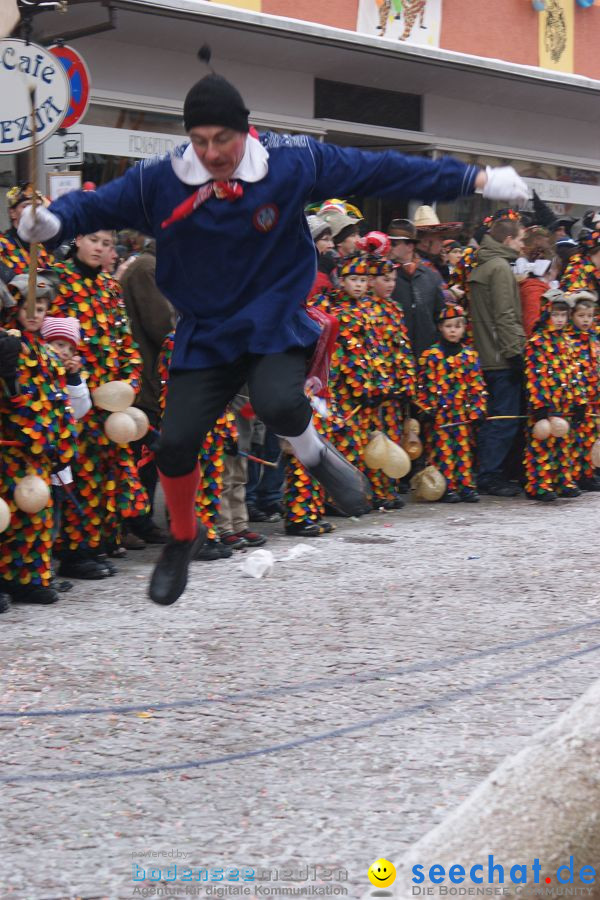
x,y
503,183
39,226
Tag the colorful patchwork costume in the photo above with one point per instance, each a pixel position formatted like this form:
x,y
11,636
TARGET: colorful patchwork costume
x,y
553,388
38,416
105,474
452,390
586,345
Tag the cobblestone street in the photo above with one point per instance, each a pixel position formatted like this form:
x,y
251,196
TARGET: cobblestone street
x,y
325,716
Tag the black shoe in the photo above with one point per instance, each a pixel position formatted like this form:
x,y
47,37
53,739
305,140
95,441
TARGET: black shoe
x,y
571,491
380,503
398,503
256,515
589,484
105,562
171,571
347,487
544,496
212,550
154,535
33,594
83,567
304,529
4,603
469,495
326,527
450,497
61,586
499,488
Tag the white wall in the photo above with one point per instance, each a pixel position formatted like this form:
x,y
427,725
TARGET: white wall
x,y
493,124
169,75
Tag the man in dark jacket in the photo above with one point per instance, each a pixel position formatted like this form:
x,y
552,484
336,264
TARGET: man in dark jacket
x,y
499,339
418,287
151,317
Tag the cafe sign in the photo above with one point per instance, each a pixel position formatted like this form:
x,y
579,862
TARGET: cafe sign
x,y
25,66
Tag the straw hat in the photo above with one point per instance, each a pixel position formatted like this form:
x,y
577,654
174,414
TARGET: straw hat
x,y
426,221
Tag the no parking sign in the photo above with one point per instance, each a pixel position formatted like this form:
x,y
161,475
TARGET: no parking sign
x,y
79,78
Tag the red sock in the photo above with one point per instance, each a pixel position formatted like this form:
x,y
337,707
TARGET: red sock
x,y
180,494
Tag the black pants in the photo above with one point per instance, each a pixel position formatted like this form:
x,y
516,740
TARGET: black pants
x,y
197,398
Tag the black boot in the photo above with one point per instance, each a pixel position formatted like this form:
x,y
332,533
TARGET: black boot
x,y
469,495
4,602
347,487
304,529
589,484
80,564
171,571
33,593
450,497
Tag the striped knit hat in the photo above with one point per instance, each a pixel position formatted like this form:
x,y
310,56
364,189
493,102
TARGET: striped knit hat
x,y
57,329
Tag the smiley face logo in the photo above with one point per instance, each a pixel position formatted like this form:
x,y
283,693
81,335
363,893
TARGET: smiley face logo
x,y
382,873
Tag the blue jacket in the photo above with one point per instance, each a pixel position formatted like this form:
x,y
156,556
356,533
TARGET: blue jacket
x,y
238,273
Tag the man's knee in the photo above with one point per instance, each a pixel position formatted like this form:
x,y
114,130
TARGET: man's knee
x,y
174,459
283,412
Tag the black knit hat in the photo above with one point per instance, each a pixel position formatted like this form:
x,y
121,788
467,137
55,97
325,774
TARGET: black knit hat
x,y
214,101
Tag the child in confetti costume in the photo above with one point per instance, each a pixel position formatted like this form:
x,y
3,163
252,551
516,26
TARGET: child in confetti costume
x,y
105,473
583,333
398,381
34,412
211,463
451,390
553,389
582,272
14,252
359,375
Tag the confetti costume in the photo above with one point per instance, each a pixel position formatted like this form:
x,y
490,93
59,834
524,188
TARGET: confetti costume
x,y
38,415
580,273
586,348
105,473
359,375
14,253
553,388
397,374
451,389
212,453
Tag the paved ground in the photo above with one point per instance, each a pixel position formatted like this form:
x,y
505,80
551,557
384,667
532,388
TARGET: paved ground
x,y
328,715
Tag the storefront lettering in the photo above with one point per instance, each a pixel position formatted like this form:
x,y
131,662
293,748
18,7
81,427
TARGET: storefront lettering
x,y
145,145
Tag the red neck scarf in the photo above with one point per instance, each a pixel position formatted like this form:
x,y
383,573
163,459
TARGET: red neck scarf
x,y
222,190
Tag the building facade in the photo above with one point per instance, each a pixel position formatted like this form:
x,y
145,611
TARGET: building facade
x,y
348,72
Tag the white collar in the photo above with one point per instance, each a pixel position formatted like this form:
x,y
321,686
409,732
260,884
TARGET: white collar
x,y
253,165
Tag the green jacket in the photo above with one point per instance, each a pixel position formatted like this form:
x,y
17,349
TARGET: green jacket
x,y
495,306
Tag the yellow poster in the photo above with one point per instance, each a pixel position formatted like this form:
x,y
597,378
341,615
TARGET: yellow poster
x,y
556,35
254,5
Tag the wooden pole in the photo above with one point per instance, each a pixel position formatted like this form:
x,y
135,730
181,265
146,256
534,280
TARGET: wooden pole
x,y
33,247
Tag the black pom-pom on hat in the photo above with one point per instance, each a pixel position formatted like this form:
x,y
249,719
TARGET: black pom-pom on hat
x,y
204,54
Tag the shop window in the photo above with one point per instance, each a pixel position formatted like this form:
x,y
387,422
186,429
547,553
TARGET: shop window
x,y
370,106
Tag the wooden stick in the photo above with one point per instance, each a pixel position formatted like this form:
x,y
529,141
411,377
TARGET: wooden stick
x,y
353,413
33,247
256,459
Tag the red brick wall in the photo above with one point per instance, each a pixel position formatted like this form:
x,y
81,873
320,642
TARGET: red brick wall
x,y
587,41
503,29
338,13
